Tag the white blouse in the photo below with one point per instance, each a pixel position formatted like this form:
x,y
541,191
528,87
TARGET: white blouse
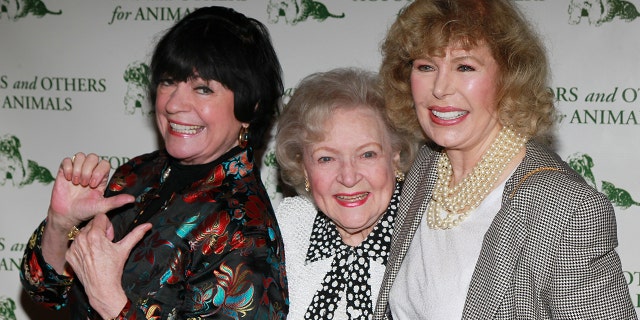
x,y
328,279
434,277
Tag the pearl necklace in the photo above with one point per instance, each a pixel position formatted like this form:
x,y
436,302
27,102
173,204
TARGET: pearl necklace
x,y
458,202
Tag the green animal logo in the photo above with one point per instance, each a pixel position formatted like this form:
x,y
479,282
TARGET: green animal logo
x,y
7,309
137,78
619,197
270,174
13,168
270,160
583,164
16,9
598,12
294,11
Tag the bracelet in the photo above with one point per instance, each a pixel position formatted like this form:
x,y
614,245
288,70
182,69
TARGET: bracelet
x,y
73,233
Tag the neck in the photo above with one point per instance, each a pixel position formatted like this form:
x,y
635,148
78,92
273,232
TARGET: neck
x,y
463,161
354,239
458,199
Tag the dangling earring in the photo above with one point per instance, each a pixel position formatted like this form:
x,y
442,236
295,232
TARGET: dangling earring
x,y
243,137
307,187
399,175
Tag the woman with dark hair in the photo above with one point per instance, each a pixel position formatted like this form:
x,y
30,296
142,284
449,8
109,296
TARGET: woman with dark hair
x,y
187,231
492,224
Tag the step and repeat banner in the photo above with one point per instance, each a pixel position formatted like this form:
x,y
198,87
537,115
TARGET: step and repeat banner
x,y
72,78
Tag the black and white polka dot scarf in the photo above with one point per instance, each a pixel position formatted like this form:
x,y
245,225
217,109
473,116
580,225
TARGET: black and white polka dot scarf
x,y
350,265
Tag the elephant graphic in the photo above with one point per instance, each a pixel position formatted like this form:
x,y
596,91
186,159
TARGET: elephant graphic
x,y
600,11
16,9
12,166
137,78
294,11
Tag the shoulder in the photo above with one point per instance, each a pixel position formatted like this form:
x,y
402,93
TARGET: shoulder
x,y
544,171
544,184
133,176
295,216
295,207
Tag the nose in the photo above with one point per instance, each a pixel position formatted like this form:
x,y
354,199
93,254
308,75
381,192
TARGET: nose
x,y
443,85
179,98
349,174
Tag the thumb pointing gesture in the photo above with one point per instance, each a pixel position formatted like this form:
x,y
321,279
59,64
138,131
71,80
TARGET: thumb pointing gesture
x,y
98,262
130,240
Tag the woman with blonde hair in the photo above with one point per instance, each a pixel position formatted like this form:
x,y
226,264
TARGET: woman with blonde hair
x,y
492,224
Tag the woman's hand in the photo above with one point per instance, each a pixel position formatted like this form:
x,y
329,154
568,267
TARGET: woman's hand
x,y
98,263
78,191
77,196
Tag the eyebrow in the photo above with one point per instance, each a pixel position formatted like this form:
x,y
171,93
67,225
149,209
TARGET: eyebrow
x,y
337,150
467,56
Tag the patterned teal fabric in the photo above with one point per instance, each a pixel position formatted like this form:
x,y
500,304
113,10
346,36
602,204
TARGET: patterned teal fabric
x,y
214,251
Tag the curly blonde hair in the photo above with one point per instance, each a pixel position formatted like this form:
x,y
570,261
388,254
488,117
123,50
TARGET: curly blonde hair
x,y
302,121
428,27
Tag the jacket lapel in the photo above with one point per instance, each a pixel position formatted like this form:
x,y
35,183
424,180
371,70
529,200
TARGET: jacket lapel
x,y
413,202
497,261
502,245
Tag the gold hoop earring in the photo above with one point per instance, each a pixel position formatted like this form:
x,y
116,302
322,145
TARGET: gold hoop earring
x,y
307,187
243,137
399,175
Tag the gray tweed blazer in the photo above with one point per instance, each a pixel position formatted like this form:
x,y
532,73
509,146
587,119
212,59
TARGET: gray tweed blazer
x,y
548,254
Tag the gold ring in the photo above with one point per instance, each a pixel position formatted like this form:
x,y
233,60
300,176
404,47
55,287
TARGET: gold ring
x,y
73,233
73,158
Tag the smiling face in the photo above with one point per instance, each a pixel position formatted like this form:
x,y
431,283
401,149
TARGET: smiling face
x,y
455,98
351,171
196,120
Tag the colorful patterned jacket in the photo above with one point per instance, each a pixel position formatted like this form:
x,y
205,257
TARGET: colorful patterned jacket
x,y
214,251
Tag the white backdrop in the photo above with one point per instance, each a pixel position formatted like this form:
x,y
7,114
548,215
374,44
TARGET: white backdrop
x,y
68,83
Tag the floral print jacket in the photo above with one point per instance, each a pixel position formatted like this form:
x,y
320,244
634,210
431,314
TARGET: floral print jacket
x,y
214,251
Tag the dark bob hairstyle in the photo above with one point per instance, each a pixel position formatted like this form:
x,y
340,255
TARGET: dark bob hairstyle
x,y
221,44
